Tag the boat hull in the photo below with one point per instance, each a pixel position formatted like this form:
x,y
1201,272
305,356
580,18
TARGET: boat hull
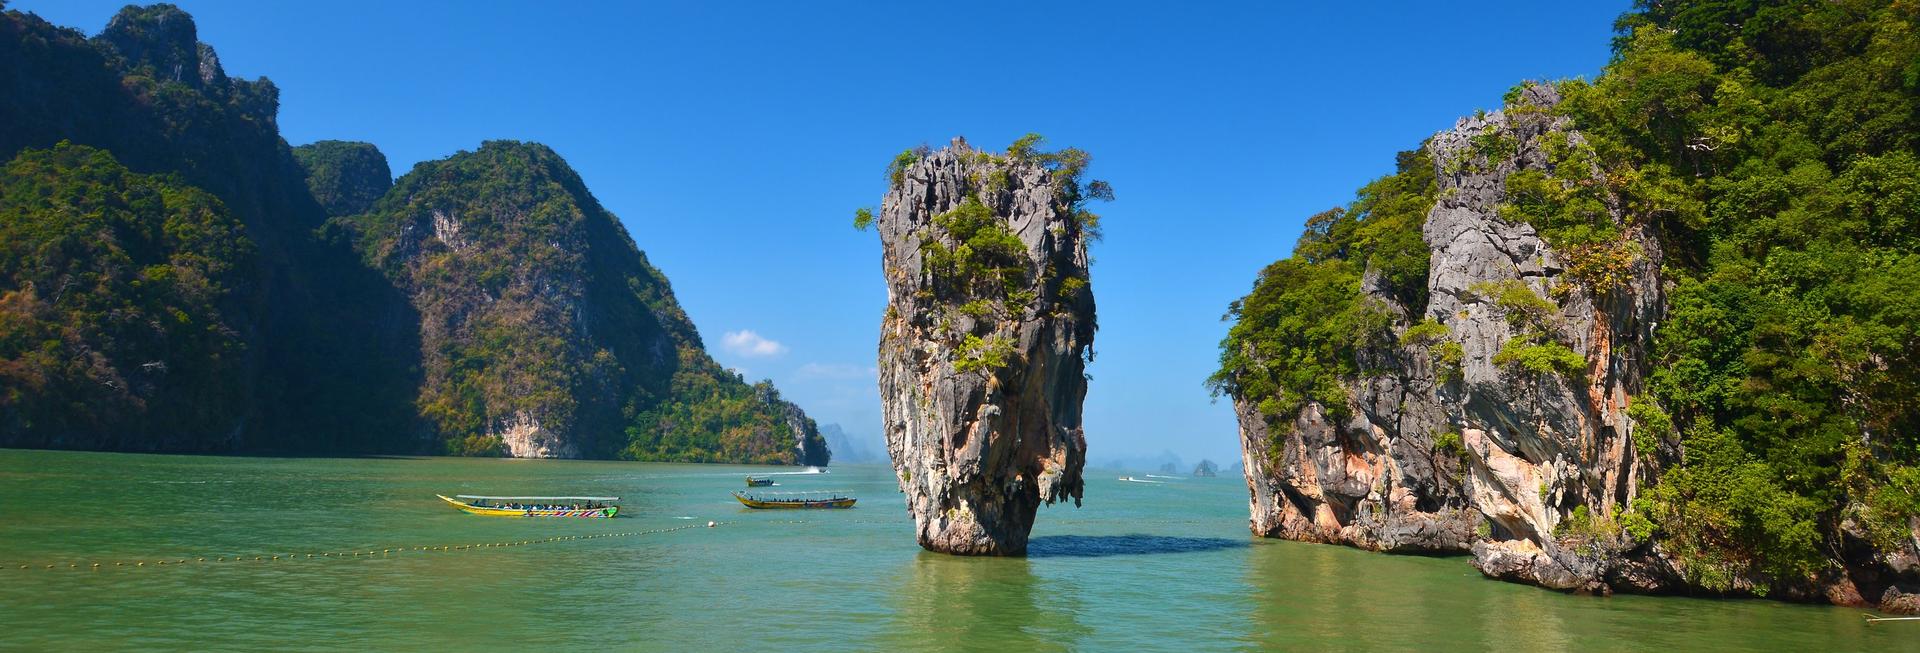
x,y
491,511
761,504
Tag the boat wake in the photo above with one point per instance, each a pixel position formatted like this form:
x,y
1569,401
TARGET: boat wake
x,y
805,472
737,474
1177,478
1131,479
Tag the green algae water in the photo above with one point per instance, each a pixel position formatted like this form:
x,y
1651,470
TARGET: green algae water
x,y
1143,565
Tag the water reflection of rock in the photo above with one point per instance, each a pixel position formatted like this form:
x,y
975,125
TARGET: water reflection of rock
x,y
946,603
1308,595
1100,546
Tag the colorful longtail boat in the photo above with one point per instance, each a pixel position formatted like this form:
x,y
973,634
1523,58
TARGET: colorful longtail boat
x,y
588,507
795,500
759,481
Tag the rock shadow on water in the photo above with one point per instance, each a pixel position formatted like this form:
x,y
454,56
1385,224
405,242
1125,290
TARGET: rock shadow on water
x,y
1100,546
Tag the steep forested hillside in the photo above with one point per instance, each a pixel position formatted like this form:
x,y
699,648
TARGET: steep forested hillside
x,y
124,295
1771,153
345,177
544,329
199,299
327,368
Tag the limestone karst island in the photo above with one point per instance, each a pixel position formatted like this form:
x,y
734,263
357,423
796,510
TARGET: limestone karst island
x,y
700,326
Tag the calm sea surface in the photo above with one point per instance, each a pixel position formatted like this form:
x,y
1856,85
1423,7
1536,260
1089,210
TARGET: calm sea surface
x,y
1151,566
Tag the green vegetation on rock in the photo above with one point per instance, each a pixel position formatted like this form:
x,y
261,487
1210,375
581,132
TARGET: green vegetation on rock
x,y
537,306
200,299
1297,334
1773,151
977,354
1567,205
328,354
345,178
1774,146
986,259
975,265
1449,443
1541,358
1650,425
121,296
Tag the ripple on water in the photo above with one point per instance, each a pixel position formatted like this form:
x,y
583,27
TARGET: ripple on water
x,y
1139,566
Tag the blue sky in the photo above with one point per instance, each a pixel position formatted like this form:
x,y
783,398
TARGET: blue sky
x,y
735,140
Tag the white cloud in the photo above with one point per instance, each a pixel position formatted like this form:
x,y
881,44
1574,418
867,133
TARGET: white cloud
x,y
838,371
750,344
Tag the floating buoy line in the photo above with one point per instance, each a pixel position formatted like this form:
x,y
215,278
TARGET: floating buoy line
x,y
368,553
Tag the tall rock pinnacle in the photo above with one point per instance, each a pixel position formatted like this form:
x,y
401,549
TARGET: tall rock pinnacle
x,y
986,337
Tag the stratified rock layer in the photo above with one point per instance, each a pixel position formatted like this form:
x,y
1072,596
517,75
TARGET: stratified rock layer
x,y
982,383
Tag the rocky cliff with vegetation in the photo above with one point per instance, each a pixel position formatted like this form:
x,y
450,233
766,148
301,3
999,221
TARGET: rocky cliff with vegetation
x,y
345,177
314,356
1653,332
544,331
172,281
987,333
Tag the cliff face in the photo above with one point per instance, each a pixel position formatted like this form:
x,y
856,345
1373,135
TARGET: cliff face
x,y
984,344
120,300
324,355
810,446
544,331
1435,449
1539,445
539,328
1497,418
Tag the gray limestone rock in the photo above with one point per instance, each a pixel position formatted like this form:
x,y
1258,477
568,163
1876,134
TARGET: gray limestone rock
x,y
1540,445
982,377
1535,446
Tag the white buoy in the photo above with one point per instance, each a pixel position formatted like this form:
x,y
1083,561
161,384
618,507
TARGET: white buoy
x,y
711,524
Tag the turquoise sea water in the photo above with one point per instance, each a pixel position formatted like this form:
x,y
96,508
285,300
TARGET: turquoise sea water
x,y
1142,566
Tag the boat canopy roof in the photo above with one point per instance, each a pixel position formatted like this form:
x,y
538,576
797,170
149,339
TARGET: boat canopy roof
x,y
491,498
809,493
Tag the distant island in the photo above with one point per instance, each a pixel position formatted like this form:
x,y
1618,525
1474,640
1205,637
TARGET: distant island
x,y
847,448
225,292
1206,469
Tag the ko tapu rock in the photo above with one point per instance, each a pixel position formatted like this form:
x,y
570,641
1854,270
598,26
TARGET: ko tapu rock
x,y
988,330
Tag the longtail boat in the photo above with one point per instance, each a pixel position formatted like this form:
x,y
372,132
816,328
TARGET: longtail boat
x,y
589,507
794,500
759,481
